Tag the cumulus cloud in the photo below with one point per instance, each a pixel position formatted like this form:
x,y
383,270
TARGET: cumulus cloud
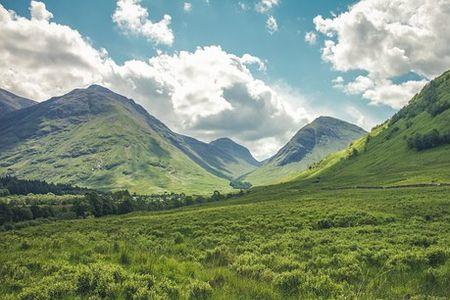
x,y
311,38
132,18
271,25
187,6
388,39
39,58
39,12
264,6
208,93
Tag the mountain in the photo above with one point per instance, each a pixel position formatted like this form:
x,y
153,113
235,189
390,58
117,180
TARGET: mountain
x,y
413,147
242,160
310,144
10,102
96,138
217,158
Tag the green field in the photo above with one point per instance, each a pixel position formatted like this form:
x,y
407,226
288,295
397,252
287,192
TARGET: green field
x,y
274,243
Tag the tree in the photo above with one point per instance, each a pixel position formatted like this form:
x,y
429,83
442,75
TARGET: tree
x,y
6,215
125,206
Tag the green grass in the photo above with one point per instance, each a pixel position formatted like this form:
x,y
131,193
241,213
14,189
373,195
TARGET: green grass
x,y
279,242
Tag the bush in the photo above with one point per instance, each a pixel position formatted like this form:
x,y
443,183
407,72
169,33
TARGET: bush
x,y
289,282
200,290
168,288
124,258
220,256
429,140
436,256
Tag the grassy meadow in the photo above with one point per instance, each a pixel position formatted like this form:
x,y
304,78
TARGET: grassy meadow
x,y
280,242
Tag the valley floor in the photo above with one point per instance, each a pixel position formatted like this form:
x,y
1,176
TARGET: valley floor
x,y
274,243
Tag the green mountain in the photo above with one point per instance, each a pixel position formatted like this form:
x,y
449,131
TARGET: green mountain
x,y
241,162
10,102
96,138
325,135
413,147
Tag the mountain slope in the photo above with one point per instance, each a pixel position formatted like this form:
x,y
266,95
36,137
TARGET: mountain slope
x,y
96,138
310,144
240,161
10,102
413,147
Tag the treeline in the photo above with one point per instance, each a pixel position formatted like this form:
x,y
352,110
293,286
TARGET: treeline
x,y
428,140
95,204
240,185
10,185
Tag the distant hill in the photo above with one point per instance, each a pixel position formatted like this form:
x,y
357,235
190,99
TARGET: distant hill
x,y
96,138
10,102
413,147
313,142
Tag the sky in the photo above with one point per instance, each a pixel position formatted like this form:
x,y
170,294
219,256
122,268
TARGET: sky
x,y
255,71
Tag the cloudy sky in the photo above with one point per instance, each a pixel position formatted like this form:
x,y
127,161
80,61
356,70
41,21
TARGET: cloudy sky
x,y
252,70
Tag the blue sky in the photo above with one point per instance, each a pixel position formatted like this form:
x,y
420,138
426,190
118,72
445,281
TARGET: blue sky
x,y
224,23
328,86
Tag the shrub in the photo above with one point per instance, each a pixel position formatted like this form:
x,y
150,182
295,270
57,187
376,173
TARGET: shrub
x,y
220,256
289,282
436,256
124,258
324,223
178,238
168,288
200,290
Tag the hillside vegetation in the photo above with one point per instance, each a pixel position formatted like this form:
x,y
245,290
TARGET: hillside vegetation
x,y
98,139
389,155
369,222
275,243
313,142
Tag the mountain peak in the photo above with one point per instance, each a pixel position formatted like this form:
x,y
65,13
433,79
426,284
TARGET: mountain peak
x,y
224,140
228,145
10,102
98,88
324,135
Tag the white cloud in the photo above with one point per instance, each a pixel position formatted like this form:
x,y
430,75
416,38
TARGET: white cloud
x,y
264,6
187,6
39,58
39,12
271,25
248,59
388,39
131,17
311,38
207,93
394,95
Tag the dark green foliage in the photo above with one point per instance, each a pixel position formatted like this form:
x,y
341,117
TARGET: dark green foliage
x,y
289,282
17,186
428,140
100,204
240,185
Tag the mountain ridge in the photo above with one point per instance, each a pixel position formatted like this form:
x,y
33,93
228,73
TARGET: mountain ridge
x,y
10,102
69,114
310,144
